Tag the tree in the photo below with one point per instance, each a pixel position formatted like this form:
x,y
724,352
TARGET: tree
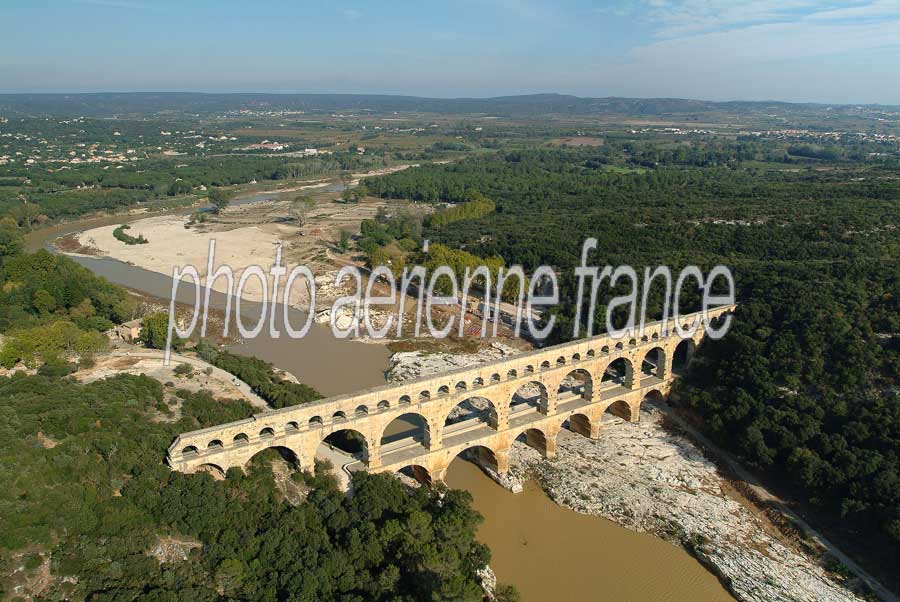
x,y
300,208
219,199
10,239
344,242
154,330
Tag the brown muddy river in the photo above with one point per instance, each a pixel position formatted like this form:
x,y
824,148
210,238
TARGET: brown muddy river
x,y
548,552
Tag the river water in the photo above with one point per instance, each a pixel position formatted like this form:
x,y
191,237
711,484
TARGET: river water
x,y
548,552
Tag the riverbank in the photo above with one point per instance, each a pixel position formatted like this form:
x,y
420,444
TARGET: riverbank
x,y
650,479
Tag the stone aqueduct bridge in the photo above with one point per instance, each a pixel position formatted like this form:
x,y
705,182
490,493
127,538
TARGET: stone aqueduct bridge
x,y
571,384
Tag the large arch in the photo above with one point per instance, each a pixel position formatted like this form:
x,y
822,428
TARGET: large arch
x,y
619,371
577,383
619,409
411,425
480,455
214,469
418,473
349,441
682,355
532,394
537,439
654,363
266,455
579,423
473,408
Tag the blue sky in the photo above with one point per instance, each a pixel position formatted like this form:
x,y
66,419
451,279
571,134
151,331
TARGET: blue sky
x,y
795,50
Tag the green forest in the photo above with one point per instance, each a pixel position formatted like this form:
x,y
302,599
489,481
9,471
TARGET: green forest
x,y
804,386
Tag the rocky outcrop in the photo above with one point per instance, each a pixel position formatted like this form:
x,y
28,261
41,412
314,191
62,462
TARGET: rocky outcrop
x,y
647,479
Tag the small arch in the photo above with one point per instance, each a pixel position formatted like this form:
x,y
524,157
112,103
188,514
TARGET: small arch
x,y
443,390
495,378
461,386
315,421
384,404
644,339
576,357
478,382
620,345
560,361
214,444
632,342
529,369
545,365
240,439
512,374
605,350
654,336
361,410
405,400
424,395
591,353
291,426
267,433
190,450
338,416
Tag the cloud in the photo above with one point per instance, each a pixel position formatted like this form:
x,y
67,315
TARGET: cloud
x,y
351,13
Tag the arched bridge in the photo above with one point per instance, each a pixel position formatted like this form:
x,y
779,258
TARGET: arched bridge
x,y
483,408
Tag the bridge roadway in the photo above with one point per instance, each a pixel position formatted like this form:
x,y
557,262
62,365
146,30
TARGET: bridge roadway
x,y
532,395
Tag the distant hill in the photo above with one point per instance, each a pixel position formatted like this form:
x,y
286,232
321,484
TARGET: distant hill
x,y
181,103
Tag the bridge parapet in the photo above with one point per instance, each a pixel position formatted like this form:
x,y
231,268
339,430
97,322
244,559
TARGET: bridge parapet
x,y
302,428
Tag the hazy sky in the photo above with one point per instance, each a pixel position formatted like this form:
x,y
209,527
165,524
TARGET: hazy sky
x,y
793,50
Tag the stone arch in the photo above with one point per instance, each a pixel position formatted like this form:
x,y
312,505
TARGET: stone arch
x,y
411,425
339,416
682,355
350,441
315,422
512,374
654,363
384,404
285,452
529,369
545,365
480,455
291,426
537,439
443,390
361,410
560,361
576,357
654,395
240,439
578,381
461,386
619,371
477,408
620,345
605,350
214,444
417,472
579,423
531,394
620,409
267,433
478,382
214,469
405,400
632,342
190,450
424,395
591,353
495,378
